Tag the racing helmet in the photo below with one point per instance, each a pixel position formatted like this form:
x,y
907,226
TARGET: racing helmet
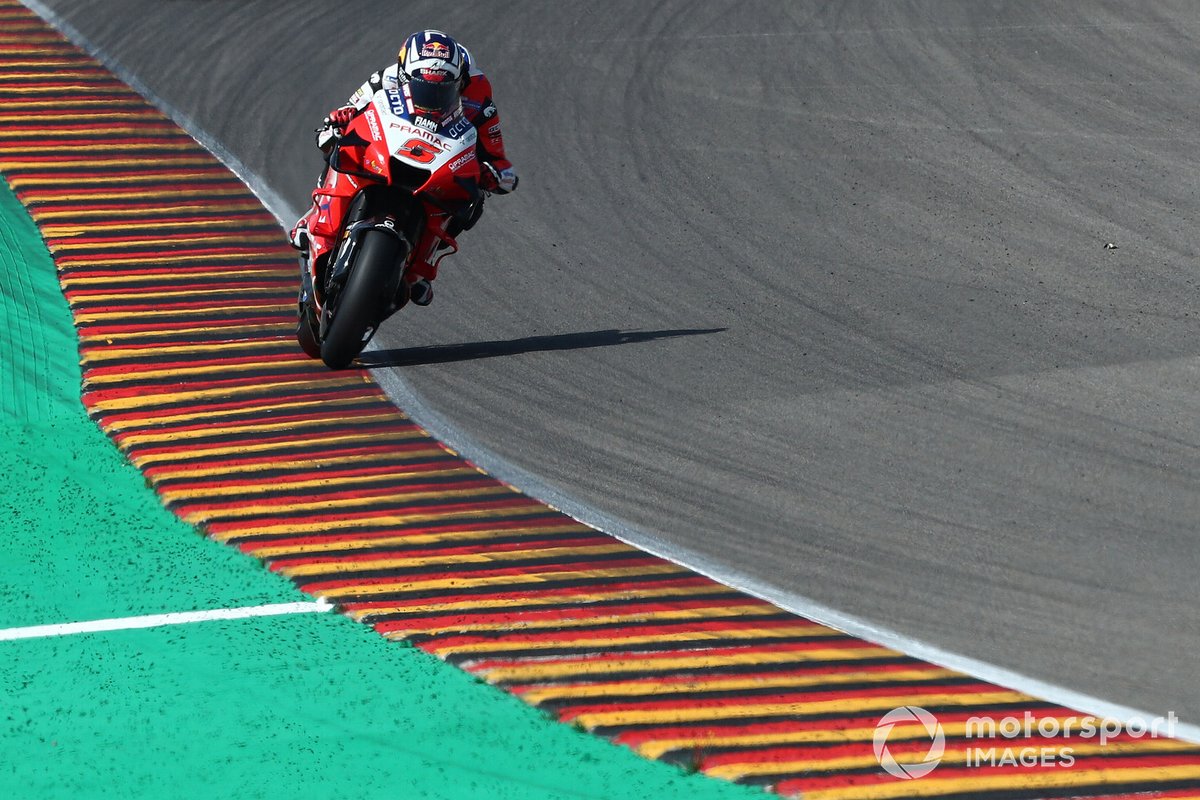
x,y
435,68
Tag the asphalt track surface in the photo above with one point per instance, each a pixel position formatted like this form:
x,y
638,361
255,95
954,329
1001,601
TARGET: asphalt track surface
x,y
815,291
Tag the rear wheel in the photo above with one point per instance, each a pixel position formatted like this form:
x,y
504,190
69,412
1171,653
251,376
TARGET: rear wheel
x,y
361,303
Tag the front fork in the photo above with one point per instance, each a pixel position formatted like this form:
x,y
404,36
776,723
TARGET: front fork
x,y
343,263
424,262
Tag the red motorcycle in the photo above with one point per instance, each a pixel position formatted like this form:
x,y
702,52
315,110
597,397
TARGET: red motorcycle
x,y
395,181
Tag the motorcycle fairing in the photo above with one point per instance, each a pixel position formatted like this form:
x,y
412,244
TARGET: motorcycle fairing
x,y
387,144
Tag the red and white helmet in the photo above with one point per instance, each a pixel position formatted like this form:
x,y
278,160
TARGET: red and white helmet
x,y
436,68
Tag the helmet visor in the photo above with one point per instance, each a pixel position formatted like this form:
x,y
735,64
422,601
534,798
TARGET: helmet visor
x,y
433,94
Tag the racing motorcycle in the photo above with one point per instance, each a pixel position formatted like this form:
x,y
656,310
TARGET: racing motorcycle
x,y
395,182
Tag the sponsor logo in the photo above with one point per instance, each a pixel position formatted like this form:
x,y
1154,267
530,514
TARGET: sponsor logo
x,y
395,101
435,50
494,130
376,134
489,110
432,74
424,122
458,128
461,161
419,132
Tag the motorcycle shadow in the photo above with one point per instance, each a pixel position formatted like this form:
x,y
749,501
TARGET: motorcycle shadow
x,y
467,351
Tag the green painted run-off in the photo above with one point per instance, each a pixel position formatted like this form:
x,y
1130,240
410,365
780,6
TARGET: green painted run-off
x,y
312,705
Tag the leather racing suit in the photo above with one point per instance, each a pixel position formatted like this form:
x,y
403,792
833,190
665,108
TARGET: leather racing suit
x,y
498,177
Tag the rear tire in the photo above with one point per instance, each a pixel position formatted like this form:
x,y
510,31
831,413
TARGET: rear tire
x,y
360,305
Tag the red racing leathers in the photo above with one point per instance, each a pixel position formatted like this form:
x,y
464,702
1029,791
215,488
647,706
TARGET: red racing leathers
x,y
497,173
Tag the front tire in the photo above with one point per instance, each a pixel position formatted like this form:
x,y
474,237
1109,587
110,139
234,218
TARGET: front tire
x,y
362,302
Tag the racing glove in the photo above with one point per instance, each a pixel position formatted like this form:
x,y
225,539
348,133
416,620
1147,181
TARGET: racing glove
x,y
496,181
340,117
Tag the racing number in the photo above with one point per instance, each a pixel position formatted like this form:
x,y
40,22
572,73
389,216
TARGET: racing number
x,y
420,151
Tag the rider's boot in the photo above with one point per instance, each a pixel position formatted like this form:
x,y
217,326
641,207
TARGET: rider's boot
x,y
420,292
299,235
423,270
419,281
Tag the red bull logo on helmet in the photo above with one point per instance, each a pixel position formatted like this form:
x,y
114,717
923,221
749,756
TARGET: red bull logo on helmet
x,y
435,50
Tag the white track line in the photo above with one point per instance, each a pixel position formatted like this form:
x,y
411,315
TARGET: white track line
x,y
159,620
537,487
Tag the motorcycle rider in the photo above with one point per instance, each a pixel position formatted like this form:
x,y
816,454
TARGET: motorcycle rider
x,y
438,74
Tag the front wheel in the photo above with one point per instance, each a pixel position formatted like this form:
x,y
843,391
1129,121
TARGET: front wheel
x,y
360,305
